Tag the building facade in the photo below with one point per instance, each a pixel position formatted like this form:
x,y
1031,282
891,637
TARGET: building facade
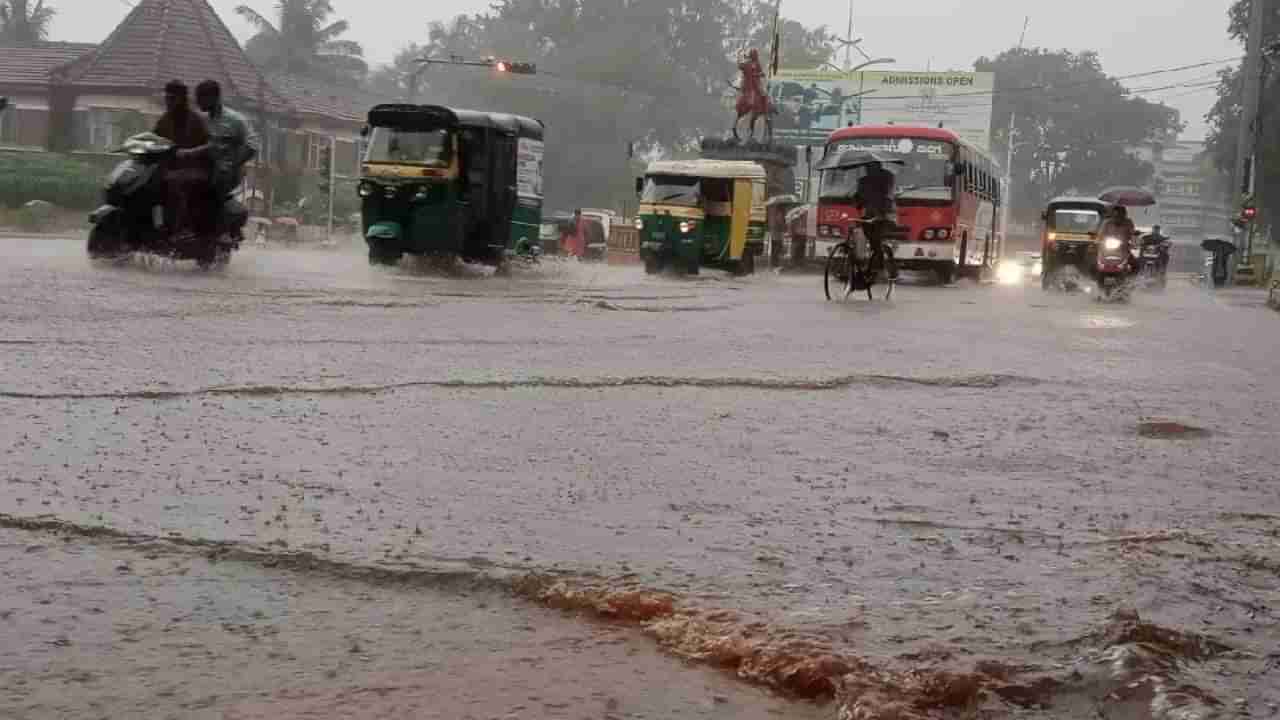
x,y
1192,198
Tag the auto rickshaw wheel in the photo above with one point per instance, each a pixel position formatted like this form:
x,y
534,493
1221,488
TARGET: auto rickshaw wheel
x,y
747,265
652,265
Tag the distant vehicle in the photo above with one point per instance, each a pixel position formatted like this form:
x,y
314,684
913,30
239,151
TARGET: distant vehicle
x,y
1069,237
949,219
701,212
439,181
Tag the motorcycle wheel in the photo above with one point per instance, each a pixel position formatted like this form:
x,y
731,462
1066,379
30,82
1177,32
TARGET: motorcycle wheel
x,y
105,241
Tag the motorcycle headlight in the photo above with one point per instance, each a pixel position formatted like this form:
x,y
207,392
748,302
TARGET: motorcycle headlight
x,y
365,189
1112,243
639,223
421,194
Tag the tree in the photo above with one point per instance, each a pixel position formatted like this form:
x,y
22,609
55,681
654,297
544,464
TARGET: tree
x,y
1224,116
1075,125
610,73
303,42
22,23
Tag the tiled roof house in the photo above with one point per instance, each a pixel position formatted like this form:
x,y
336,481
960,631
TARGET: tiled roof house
x,y
84,98
159,41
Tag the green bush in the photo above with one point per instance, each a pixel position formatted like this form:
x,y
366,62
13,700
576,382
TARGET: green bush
x,y
58,179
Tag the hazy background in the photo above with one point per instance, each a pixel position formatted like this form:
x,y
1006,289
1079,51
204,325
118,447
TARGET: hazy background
x,y
1131,37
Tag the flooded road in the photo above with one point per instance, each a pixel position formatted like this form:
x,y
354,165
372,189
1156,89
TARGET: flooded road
x,y
971,499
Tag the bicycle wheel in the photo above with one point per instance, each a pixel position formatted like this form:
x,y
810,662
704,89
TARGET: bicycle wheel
x,y
890,271
835,280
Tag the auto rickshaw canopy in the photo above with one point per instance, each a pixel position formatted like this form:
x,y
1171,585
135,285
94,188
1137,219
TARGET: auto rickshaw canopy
x,y
438,117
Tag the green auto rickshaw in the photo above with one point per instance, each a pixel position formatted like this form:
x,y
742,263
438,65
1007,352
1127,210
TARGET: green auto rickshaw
x,y
439,181
701,212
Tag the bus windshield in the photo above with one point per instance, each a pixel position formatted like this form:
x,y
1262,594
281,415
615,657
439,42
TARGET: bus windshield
x,y
1075,220
923,177
672,190
410,147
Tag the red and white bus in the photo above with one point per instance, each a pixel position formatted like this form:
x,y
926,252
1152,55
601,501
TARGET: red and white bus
x,y
949,219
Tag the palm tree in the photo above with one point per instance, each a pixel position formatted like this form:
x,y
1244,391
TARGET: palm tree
x,y
23,24
303,42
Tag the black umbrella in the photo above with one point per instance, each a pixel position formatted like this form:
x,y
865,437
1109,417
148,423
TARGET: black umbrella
x,y
851,159
1218,246
1128,197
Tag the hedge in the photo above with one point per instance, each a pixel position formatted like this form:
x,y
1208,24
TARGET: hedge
x,y
58,179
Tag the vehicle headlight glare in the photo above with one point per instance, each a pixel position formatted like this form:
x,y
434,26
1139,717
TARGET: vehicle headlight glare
x,y
639,223
686,227
1112,243
365,189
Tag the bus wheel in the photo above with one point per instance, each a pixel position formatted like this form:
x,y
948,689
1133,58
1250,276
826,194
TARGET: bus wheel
x,y
379,255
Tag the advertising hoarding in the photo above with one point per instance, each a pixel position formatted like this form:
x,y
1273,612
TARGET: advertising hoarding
x,y
813,103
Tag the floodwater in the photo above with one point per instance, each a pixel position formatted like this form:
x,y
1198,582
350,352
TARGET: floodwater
x,y
974,500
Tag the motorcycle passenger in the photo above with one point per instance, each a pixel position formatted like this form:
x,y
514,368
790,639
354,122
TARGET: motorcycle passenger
x,y
188,175
875,198
228,149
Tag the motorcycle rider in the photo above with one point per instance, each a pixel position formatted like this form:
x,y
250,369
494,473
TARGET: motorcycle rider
x,y
1119,226
229,147
1161,242
875,198
188,174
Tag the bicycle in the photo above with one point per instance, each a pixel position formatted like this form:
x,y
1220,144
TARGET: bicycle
x,y
855,265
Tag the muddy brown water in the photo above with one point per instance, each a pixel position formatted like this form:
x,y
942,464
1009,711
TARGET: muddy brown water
x,y
940,506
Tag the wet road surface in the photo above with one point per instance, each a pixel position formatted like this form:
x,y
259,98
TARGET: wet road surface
x,y
966,498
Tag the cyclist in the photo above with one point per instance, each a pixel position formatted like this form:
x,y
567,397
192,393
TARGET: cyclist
x,y
875,198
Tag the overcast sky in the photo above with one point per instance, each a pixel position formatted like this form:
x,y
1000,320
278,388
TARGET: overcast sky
x,y
1132,37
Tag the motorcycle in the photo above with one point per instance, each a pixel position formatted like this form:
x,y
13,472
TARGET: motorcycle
x,y
132,217
1114,268
1152,265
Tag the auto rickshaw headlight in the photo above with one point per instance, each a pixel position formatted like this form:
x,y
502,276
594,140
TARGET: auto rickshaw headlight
x,y
365,189
687,226
639,223
421,194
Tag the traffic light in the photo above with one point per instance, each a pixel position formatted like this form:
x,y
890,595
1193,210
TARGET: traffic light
x,y
1248,214
515,68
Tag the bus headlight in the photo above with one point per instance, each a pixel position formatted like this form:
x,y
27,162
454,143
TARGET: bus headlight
x,y
944,233
929,234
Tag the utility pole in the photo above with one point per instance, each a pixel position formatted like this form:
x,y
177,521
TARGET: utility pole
x,y
1247,161
1005,196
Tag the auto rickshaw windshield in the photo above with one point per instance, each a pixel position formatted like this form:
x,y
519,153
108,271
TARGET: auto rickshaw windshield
x,y
1075,220
672,190
410,147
